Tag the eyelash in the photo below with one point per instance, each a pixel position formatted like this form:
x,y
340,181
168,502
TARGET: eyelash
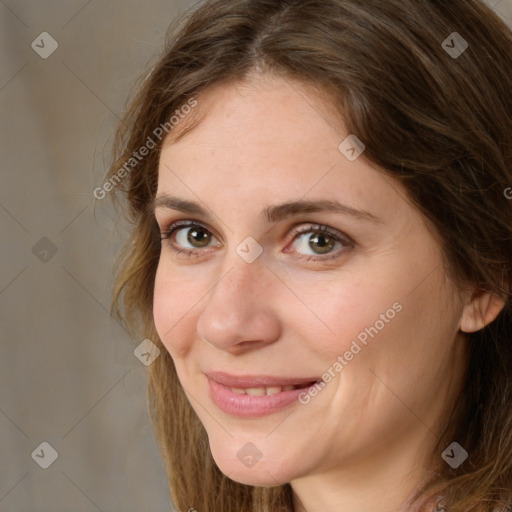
x,y
312,228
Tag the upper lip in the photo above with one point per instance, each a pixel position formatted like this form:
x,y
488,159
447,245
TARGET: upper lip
x,y
257,381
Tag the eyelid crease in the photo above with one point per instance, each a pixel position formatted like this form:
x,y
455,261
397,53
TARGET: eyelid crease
x,y
295,229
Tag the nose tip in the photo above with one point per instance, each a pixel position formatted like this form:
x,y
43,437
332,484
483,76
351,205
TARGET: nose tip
x,y
239,312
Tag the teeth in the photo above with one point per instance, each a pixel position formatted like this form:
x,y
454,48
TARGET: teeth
x,y
256,391
273,390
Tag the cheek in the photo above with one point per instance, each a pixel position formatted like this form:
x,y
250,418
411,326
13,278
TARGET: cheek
x,y
162,302
349,310
174,298
384,319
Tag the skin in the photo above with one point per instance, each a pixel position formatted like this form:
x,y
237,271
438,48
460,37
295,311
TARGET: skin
x,y
366,437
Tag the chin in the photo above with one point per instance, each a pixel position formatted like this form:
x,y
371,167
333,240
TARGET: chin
x,y
261,474
254,477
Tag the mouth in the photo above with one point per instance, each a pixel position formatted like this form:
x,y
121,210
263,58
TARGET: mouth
x,y
259,381
254,396
270,390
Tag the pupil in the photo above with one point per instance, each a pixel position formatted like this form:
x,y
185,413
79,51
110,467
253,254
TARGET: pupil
x,y
320,240
198,236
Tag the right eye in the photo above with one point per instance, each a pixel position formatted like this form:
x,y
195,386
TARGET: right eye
x,y
187,232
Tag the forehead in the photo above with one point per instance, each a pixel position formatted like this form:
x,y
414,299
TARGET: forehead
x,y
266,107
271,138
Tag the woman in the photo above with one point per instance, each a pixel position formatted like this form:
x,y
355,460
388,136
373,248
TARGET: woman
x,y
321,250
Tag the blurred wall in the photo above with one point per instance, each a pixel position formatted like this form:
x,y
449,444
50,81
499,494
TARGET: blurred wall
x,y
68,373
74,432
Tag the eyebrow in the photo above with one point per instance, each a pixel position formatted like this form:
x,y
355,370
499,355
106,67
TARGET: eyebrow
x,y
273,213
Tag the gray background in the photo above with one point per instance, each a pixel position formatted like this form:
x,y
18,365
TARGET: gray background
x,y
68,373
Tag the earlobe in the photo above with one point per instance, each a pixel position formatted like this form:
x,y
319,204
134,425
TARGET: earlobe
x,y
482,309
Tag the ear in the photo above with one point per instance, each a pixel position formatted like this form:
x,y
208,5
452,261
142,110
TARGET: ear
x,y
480,310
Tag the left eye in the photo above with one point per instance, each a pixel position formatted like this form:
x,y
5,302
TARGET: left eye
x,y
319,243
321,240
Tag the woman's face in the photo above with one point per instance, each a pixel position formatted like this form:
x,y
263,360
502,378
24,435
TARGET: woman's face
x,y
365,306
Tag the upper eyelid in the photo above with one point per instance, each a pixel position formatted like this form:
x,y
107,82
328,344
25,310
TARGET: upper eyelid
x,y
182,224
313,226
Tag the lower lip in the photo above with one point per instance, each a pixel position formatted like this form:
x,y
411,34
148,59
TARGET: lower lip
x,y
251,406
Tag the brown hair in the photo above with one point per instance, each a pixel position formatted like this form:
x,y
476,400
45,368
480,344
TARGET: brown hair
x,y
441,124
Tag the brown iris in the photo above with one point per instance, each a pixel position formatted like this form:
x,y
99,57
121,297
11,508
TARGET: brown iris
x,y
324,242
198,236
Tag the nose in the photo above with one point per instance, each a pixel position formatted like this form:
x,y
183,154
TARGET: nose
x,y
239,312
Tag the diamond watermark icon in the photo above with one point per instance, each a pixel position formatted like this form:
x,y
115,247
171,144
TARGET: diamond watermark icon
x,y
249,249
351,147
455,45
44,250
45,455
249,455
146,352
44,45
454,455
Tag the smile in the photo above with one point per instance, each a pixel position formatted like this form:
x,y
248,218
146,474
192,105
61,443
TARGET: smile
x,y
255,396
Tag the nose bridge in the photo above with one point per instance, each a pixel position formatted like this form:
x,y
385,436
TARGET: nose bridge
x,y
243,269
238,286
239,307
